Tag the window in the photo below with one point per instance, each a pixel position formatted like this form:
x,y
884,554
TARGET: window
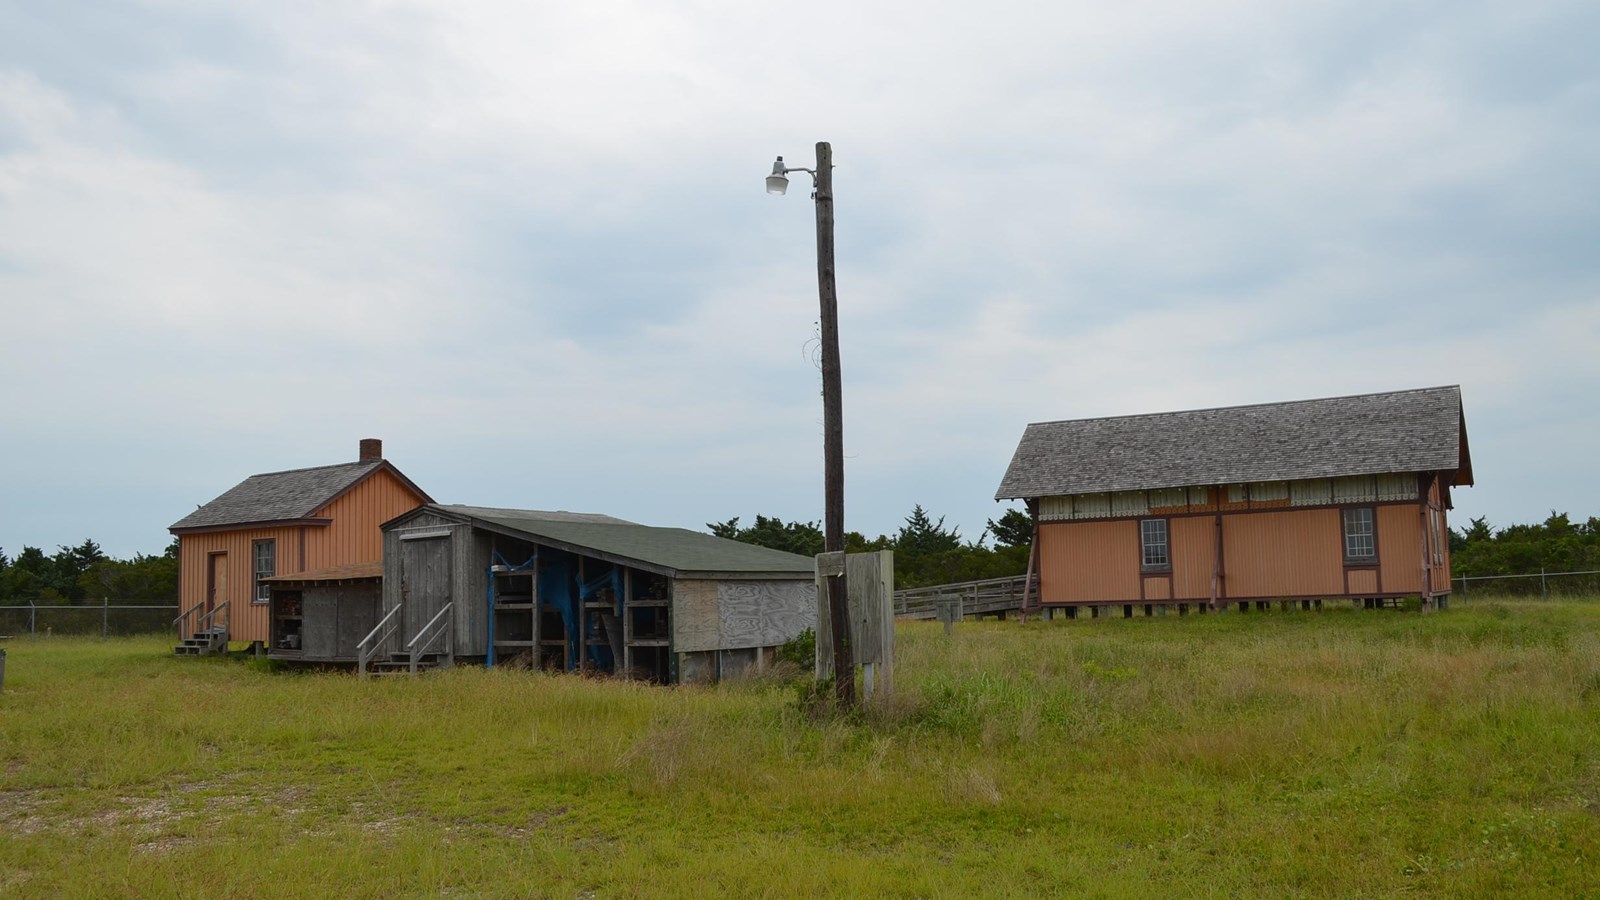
x,y
1153,545
1436,518
266,566
1360,540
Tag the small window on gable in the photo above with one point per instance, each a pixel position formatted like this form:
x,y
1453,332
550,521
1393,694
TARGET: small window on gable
x,y
266,566
1154,553
1360,536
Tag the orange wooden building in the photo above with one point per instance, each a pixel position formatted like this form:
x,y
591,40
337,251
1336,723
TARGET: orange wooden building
x,y
281,523
1344,497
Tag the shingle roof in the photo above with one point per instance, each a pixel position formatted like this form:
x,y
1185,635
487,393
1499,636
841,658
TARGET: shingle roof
x,y
278,496
678,549
1404,431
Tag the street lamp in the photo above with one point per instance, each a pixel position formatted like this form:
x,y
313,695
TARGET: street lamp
x,y
844,679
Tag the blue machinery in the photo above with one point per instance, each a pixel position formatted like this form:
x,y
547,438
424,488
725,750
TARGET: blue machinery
x,y
554,580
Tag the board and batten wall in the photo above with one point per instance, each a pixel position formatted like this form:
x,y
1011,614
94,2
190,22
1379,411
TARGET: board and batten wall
x,y
1279,539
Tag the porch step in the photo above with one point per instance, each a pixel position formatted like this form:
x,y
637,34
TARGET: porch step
x,y
204,643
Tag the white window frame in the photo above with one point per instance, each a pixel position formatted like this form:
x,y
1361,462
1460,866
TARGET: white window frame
x,y
1155,545
1363,537
262,592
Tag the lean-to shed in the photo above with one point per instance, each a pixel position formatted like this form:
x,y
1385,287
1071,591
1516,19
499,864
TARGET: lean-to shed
x,y
568,590
1340,497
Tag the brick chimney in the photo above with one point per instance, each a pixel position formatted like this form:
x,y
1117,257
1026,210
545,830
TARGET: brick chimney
x,y
371,449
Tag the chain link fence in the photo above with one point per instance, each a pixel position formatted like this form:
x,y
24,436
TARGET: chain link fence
x,y
1545,585
104,618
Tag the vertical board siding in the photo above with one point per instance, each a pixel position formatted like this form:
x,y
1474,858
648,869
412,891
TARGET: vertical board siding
x,y
353,536
1157,587
1400,548
247,621
1085,561
1194,550
1284,554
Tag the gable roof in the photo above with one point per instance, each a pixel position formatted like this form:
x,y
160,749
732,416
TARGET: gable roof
x,y
673,551
1421,430
290,496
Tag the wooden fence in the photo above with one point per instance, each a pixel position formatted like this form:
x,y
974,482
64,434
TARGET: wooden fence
x,y
992,597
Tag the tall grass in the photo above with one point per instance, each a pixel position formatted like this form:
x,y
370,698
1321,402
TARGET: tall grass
x,y
1300,754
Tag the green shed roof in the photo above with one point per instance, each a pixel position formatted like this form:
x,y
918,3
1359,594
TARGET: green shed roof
x,y
678,549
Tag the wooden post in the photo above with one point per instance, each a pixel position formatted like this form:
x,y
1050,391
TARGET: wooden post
x,y
1217,591
832,429
1423,510
1033,557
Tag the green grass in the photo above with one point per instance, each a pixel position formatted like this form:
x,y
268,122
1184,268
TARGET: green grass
x,y
1283,754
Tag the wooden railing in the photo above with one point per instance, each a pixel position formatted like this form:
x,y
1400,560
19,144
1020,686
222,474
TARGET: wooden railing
x,y
183,617
369,645
448,632
994,596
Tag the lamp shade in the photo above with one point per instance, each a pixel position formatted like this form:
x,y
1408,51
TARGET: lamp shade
x,y
778,182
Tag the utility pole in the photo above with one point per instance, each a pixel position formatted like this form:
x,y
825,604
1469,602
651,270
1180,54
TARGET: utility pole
x,y
844,676
832,431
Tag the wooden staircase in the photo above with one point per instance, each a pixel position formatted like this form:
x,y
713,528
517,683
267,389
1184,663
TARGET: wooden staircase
x,y
204,643
400,664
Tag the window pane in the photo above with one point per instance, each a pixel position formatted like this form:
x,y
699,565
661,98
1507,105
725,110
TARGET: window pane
x,y
1359,541
1153,542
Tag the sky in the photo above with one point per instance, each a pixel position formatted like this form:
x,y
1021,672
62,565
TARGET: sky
x,y
527,245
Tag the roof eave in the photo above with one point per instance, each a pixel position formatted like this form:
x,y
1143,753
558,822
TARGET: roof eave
x,y
313,521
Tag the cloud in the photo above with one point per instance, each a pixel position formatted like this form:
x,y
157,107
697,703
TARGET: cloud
x,y
528,246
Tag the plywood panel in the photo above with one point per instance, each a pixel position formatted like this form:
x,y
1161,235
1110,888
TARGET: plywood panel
x,y
1284,554
763,613
1400,548
1088,561
695,616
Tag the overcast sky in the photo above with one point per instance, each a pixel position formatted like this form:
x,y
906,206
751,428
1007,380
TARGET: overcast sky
x,y
527,244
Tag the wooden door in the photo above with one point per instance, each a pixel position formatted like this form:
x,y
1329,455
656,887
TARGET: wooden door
x,y
424,583
216,580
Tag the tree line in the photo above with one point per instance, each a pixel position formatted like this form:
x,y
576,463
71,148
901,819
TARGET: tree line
x,y
1557,544
84,572
926,551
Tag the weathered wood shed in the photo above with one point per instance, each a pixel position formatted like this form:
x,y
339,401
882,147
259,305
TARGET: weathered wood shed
x,y
321,616
563,590
1343,497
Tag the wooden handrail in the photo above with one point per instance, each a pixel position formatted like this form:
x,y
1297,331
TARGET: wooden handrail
x,y
178,622
366,647
423,631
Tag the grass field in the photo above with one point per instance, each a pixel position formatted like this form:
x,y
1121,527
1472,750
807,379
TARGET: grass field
x,y
1339,753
